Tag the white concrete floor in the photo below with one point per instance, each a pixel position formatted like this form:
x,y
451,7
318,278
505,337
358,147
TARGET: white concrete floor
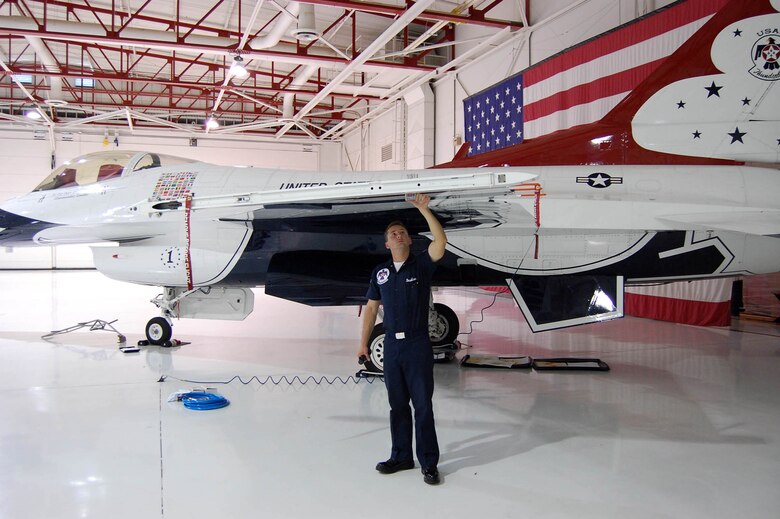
x,y
685,425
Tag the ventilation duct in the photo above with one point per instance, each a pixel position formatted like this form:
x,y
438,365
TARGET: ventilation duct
x,y
301,79
272,37
306,30
55,97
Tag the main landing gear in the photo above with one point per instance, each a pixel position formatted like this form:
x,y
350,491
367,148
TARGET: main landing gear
x,y
443,328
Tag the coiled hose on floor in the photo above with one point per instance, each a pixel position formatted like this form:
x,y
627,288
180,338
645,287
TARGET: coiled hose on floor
x,y
200,401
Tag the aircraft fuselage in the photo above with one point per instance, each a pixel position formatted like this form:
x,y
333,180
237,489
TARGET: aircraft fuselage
x,y
641,222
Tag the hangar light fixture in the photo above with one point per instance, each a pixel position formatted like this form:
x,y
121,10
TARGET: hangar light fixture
x,y
237,69
33,113
211,122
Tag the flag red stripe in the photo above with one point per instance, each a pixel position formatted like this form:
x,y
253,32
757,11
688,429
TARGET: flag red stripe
x,y
611,85
621,38
699,313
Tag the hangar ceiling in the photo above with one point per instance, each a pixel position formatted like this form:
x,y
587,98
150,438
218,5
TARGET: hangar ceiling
x,y
316,68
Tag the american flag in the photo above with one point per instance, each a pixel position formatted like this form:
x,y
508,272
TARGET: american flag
x,y
582,84
494,117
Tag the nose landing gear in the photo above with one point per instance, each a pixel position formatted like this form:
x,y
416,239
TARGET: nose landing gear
x,y
159,330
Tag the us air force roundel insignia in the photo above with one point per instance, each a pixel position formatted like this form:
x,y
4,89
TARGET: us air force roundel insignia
x,y
382,276
599,180
766,55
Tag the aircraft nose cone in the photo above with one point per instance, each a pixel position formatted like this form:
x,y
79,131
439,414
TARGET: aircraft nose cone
x,y
4,220
18,230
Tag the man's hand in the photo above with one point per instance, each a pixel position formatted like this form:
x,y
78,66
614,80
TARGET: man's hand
x,y
420,201
369,318
438,245
363,352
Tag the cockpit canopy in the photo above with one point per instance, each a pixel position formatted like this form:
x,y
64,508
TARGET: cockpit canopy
x,y
97,167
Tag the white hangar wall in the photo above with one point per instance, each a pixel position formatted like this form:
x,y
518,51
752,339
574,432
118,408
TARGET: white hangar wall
x,y
25,161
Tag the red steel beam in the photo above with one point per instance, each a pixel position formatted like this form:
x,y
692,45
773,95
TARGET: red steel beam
x,y
199,85
268,54
199,23
476,18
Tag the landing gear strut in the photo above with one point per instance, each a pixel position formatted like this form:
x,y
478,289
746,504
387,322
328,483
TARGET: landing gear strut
x,y
206,302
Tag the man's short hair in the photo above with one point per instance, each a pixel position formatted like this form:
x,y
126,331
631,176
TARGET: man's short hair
x,y
394,223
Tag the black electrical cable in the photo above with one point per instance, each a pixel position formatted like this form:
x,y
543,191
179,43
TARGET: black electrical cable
x,y
481,315
284,379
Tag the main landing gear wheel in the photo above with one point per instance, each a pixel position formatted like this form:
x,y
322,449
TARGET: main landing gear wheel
x,y
444,328
376,349
158,331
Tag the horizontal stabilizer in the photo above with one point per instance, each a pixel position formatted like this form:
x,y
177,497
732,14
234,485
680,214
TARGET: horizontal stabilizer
x,y
553,302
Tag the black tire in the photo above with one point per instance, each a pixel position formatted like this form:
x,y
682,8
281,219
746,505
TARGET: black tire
x,y
376,349
158,331
446,327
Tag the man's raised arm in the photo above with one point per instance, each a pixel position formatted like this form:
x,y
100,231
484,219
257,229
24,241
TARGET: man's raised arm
x,y
439,243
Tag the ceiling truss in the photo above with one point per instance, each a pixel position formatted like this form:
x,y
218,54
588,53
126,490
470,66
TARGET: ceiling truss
x,y
153,64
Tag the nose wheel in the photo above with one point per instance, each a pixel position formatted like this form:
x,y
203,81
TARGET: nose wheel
x,y
159,331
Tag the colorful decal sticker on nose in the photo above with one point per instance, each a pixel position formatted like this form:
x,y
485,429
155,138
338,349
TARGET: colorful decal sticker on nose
x,y
172,186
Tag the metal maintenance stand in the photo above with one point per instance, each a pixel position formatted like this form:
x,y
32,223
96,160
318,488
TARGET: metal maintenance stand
x,y
96,324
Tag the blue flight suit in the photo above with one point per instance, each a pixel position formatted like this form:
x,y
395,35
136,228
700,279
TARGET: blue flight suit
x,y
408,356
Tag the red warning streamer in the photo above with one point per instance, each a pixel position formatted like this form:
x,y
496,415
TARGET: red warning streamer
x,y
536,189
187,258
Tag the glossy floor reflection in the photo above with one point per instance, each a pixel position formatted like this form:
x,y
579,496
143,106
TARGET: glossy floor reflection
x,y
685,425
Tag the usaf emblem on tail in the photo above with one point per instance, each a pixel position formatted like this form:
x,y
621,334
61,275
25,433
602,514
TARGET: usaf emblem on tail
x,y
765,55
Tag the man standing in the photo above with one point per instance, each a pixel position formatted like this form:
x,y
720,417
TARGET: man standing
x,y
403,286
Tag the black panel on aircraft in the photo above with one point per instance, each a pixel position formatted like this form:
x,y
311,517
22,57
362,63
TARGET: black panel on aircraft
x,y
550,302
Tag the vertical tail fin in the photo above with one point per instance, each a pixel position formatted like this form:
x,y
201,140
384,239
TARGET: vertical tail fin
x,y
718,95
715,100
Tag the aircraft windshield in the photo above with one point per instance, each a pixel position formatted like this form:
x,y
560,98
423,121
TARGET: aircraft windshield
x,y
97,167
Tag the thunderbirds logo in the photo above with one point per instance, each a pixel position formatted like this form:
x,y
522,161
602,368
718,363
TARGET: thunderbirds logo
x,y
382,276
765,55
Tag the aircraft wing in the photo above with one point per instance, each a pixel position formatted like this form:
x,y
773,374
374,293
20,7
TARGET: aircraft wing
x,y
464,182
758,222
